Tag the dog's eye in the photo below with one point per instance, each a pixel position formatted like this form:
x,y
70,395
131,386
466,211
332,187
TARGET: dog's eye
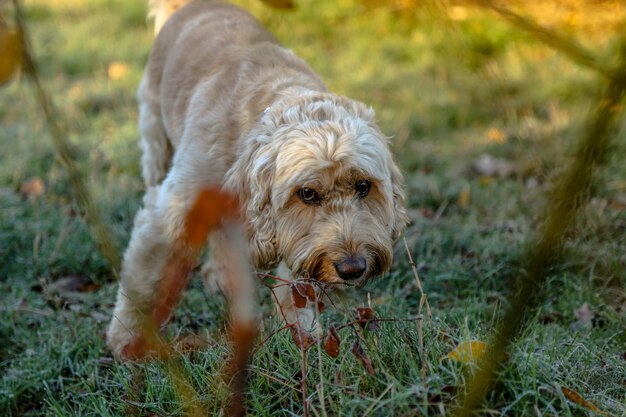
x,y
309,196
362,188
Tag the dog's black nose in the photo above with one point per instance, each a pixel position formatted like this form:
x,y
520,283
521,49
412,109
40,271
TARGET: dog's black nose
x,y
351,268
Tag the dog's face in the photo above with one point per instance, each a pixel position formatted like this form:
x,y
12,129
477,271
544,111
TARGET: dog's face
x,y
326,195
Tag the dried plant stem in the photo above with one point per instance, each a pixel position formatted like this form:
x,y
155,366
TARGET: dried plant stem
x,y
419,323
569,193
64,152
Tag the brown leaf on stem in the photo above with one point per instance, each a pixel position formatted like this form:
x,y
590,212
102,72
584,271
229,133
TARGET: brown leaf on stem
x,y
364,317
301,292
331,344
359,352
303,339
321,306
575,397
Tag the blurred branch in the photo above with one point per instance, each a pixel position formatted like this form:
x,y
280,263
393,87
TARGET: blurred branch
x,y
58,132
569,193
552,38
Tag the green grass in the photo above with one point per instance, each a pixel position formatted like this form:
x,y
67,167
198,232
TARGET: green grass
x,y
438,87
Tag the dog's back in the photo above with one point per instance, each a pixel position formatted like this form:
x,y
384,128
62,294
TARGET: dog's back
x,y
213,42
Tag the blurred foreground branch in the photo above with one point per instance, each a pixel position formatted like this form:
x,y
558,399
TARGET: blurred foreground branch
x,y
572,49
59,133
569,193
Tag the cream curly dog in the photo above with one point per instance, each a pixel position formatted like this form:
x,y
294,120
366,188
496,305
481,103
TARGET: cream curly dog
x,y
223,103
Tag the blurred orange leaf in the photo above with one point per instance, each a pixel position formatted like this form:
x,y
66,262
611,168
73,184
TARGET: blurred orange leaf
x,y
280,4
10,52
210,208
575,397
468,351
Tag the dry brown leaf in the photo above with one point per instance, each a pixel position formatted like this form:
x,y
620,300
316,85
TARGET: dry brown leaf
x,y
303,339
331,344
280,4
359,352
301,292
321,306
575,397
364,317
468,351
10,52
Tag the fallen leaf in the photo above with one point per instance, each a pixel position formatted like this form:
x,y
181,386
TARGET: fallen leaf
x,y
321,306
72,284
10,52
331,344
468,351
575,397
33,188
359,352
496,135
117,70
303,339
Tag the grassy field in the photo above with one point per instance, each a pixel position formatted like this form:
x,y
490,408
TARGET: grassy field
x,y
483,116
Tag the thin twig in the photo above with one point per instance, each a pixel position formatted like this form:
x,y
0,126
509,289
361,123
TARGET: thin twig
x,y
553,39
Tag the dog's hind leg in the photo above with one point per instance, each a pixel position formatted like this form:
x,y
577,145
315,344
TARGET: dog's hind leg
x,y
155,145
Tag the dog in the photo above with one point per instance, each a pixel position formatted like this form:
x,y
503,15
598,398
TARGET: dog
x,y
222,103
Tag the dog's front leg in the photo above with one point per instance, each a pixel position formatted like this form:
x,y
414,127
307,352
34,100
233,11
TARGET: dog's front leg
x,y
306,317
156,234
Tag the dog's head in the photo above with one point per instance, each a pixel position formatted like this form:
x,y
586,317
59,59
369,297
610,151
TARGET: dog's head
x,y
320,191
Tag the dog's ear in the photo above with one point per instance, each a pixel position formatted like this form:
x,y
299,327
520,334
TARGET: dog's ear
x,y
400,218
251,178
